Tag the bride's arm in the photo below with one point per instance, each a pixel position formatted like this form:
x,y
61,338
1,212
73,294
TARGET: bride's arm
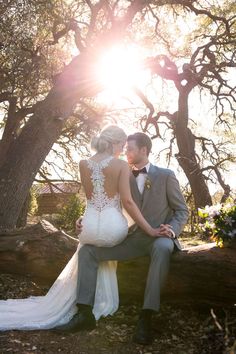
x,y
81,171
129,204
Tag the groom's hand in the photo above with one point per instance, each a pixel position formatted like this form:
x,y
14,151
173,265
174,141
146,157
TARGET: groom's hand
x,y
165,230
78,226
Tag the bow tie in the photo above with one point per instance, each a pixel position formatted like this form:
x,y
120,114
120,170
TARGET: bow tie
x,y
137,172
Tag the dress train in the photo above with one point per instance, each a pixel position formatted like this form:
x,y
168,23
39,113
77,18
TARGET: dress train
x,y
58,306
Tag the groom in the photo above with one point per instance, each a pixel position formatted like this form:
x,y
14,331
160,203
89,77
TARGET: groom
x,y
156,192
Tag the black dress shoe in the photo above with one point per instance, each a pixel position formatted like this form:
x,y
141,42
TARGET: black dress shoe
x,y
143,333
81,321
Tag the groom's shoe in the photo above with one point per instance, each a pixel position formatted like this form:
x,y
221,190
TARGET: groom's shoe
x,y
143,332
83,320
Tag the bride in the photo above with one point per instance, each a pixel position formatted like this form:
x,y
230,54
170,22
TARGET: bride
x,y
105,179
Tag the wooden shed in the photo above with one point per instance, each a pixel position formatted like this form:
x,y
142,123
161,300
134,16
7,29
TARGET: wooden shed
x,y
52,197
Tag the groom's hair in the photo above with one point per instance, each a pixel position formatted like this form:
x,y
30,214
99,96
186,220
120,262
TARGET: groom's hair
x,y
142,140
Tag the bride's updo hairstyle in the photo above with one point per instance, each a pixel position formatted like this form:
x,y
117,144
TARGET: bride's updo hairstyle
x,y
111,134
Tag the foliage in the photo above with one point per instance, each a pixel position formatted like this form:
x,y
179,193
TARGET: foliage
x,y
35,44
219,223
70,213
33,204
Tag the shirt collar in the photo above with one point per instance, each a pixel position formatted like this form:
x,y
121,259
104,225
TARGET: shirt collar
x,y
147,167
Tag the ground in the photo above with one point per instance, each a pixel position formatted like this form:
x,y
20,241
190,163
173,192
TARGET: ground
x,y
178,330
185,329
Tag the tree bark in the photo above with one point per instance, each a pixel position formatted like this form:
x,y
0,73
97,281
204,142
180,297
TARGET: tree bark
x,y
187,155
202,274
22,219
40,251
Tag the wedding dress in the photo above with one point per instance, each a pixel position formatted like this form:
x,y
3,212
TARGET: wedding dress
x,y
103,225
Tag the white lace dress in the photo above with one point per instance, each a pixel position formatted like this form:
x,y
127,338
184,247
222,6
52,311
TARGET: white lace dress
x,y
103,225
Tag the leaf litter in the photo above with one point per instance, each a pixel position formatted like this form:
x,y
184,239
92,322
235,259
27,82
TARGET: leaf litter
x,y
183,329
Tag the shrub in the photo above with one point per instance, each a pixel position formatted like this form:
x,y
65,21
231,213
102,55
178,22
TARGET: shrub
x,y
70,213
219,223
33,204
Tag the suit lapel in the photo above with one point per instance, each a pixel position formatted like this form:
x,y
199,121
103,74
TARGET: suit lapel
x,y
135,191
151,176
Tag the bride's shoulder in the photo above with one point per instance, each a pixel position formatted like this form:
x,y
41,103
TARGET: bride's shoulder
x,y
120,163
82,163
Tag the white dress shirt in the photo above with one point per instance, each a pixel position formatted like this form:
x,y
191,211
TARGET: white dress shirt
x,y
141,178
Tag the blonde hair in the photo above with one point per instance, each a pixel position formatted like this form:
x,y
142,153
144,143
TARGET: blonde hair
x,y
111,134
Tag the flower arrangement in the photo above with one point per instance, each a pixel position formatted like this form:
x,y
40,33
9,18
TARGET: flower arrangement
x,y
147,183
220,223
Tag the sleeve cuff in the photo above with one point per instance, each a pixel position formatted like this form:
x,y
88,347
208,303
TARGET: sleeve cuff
x,y
173,233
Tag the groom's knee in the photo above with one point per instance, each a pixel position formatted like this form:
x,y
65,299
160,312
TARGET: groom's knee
x,y
86,253
162,246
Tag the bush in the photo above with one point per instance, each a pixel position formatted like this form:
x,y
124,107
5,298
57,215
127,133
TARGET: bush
x,y
219,223
70,213
33,204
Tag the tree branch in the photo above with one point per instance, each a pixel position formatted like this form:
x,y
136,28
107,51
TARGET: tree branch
x,y
208,14
5,96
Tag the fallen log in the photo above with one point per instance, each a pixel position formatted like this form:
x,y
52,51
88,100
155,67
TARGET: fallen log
x,y
201,274
40,251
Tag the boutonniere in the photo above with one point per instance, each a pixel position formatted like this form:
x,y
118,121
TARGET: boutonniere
x,y
147,183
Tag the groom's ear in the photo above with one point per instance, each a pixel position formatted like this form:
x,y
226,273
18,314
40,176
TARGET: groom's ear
x,y
144,151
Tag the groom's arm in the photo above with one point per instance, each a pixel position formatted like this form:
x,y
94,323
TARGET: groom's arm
x,y
176,203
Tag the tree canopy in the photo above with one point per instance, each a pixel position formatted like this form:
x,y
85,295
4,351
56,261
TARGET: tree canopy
x,y
49,54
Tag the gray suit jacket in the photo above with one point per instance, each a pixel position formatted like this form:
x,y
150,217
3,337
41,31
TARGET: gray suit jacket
x,y
162,202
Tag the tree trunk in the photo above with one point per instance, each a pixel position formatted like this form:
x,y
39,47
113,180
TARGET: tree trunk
x,y
196,180
26,154
24,158
22,219
202,274
187,155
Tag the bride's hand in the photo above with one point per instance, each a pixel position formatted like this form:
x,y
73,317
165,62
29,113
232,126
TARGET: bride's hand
x,y
78,226
162,231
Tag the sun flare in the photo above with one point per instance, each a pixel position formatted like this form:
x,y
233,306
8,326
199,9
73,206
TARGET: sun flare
x,y
120,69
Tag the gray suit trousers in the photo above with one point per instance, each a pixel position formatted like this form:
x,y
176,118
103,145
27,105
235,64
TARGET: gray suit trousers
x,y
136,245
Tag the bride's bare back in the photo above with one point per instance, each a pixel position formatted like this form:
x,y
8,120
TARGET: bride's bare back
x,y
111,174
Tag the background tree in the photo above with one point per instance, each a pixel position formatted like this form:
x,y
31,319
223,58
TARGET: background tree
x,y
204,62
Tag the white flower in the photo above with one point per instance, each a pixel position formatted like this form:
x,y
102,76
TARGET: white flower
x,y
229,221
232,233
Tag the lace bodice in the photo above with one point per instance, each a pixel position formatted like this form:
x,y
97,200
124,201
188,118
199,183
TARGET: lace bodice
x,y
100,199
